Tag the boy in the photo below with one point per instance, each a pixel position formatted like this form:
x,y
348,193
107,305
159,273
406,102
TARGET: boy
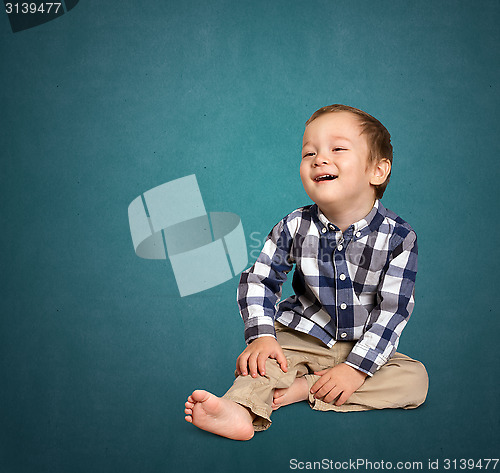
x,y
334,342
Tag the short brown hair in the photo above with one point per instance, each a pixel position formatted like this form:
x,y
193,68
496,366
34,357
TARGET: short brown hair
x,y
379,139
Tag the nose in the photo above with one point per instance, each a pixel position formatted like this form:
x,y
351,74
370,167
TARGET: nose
x,y
319,160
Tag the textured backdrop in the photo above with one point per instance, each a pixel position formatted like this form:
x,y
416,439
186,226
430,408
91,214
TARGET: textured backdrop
x,y
97,348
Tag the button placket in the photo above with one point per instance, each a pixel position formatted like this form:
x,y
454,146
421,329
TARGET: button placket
x,y
342,297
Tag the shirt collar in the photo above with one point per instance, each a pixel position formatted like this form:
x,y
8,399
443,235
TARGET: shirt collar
x,y
367,224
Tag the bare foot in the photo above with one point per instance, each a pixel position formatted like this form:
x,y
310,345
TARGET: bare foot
x,y
298,391
219,416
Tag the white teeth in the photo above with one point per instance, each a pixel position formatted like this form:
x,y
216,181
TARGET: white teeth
x,y
325,177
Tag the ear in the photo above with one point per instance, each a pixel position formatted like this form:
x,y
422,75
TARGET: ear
x,y
381,169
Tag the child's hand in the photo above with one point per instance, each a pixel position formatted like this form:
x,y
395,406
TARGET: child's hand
x,y
341,380
255,355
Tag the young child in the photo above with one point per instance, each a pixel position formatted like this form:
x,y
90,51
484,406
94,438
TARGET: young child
x,y
333,343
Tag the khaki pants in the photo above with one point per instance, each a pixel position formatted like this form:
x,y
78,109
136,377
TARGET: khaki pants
x,y
400,383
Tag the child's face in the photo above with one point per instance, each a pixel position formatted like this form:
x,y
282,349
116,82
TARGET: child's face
x,y
334,168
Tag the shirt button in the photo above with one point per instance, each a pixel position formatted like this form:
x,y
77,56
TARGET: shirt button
x,y
342,277
340,247
323,230
343,305
358,234
343,335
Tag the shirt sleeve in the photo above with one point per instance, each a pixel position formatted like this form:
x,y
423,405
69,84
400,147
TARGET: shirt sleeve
x,y
260,286
390,315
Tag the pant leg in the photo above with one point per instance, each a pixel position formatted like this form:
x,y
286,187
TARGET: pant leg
x,y
401,383
256,394
301,350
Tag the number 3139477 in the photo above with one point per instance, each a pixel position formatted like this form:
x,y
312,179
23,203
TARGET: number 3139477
x,y
24,8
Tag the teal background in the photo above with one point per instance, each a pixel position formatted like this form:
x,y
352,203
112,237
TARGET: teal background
x,y
97,349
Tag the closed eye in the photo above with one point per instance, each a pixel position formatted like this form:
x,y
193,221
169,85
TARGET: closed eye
x,y
308,154
339,149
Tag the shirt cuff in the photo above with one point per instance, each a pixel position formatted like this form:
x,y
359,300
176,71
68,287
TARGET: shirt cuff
x,y
260,336
365,359
358,368
257,331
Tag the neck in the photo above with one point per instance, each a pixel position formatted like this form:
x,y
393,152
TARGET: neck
x,y
344,218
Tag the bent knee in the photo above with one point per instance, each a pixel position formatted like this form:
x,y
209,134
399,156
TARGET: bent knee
x,y
419,383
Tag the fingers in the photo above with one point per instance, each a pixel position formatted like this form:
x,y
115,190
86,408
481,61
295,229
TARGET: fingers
x,y
326,387
281,359
253,359
337,383
252,364
321,381
242,364
343,398
329,391
261,364
279,356
333,394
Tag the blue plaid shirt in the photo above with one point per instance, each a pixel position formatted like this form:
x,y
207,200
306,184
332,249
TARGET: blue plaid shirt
x,y
357,285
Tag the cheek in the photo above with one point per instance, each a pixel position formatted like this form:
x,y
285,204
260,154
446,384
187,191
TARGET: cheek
x,y
302,171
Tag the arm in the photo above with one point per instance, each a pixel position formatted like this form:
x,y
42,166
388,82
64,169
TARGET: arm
x,y
390,315
258,293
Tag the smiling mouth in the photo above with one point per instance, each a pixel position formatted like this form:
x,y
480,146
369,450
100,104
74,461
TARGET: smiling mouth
x,y
325,177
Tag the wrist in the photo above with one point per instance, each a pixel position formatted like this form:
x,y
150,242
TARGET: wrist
x,y
356,371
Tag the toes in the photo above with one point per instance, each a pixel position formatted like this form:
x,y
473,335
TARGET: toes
x,y
189,419
189,405
279,393
277,403
188,411
199,396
